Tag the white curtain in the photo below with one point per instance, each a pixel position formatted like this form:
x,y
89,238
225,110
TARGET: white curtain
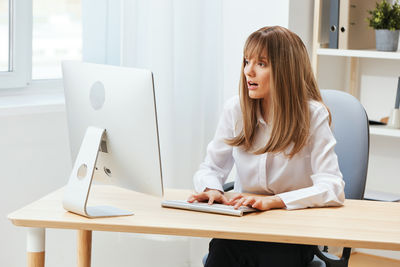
x,y
181,42
194,48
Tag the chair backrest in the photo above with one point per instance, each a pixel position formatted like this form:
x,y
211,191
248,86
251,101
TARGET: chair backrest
x,y
351,130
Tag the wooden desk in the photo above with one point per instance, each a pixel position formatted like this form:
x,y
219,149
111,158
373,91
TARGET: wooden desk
x,y
359,223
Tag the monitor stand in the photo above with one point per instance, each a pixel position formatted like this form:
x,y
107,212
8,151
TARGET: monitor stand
x,y
77,190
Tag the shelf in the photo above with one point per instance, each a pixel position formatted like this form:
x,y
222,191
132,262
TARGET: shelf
x,y
358,53
384,131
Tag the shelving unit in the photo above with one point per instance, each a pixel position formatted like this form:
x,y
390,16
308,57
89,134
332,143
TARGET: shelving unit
x,y
354,56
353,69
358,53
384,131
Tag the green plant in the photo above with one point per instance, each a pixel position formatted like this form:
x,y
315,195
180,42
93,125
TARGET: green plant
x,y
385,16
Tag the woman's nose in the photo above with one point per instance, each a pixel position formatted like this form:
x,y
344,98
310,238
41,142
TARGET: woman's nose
x,y
249,70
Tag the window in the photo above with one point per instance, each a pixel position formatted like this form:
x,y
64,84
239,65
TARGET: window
x,y
35,36
57,36
16,18
4,35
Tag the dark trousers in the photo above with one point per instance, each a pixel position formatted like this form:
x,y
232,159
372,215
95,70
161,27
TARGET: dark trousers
x,y
223,252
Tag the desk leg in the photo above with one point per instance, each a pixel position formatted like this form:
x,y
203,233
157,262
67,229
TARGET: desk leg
x,y
84,248
35,247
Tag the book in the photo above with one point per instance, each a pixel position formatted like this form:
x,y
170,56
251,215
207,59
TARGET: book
x,y
324,29
333,24
354,31
397,101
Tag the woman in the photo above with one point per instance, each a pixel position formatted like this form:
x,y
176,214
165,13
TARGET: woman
x,y
277,133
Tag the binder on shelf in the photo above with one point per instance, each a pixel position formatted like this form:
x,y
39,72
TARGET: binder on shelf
x,y
324,27
354,32
334,24
397,101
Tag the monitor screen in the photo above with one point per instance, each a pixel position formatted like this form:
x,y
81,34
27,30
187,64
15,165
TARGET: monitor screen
x,y
121,101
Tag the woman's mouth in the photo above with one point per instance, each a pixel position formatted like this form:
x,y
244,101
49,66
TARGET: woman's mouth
x,y
252,85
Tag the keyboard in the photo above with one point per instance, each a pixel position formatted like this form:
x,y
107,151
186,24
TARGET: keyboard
x,y
204,207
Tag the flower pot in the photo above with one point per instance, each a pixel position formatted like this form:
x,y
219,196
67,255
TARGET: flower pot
x,y
386,40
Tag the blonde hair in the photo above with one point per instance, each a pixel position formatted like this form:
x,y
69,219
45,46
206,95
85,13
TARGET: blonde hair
x,y
292,86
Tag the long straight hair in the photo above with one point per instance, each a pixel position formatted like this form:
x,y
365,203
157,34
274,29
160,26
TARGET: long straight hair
x,y
292,86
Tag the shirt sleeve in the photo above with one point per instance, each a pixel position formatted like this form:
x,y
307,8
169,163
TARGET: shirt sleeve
x,y
218,162
328,184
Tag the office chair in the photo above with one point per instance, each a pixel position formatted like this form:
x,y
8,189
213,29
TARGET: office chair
x,y
351,130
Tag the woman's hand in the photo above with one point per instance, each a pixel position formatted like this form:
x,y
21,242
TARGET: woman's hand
x,y
257,202
210,195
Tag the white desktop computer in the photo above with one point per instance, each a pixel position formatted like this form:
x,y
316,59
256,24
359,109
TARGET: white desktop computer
x,y
113,133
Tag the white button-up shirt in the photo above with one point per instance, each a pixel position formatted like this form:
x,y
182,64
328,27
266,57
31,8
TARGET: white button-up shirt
x,y
311,178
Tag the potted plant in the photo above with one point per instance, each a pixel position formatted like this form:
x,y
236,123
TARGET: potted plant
x,y
385,19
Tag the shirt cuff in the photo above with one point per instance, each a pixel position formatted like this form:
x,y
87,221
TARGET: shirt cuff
x,y
208,182
302,198
288,202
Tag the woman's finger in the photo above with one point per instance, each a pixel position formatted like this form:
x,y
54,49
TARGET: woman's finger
x,y
235,198
210,200
249,201
204,196
257,204
208,196
224,200
233,203
240,202
198,197
191,199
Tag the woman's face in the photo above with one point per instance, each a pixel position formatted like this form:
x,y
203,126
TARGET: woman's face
x,y
257,72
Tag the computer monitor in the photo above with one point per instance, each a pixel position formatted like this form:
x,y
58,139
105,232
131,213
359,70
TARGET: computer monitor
x,y
113,133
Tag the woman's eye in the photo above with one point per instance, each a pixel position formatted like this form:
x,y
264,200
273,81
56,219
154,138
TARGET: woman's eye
x,y
261,64
246,62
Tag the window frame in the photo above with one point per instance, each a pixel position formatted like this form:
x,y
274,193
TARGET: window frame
x,y
20,50
22,37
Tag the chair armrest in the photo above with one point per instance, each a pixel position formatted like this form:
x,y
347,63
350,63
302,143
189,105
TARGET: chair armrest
x,y
332,261
228,186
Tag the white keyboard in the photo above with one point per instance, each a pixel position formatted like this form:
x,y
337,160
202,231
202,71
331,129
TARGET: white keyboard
x,y
204,207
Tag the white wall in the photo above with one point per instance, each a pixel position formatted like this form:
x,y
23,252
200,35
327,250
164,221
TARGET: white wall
x,y
35,161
